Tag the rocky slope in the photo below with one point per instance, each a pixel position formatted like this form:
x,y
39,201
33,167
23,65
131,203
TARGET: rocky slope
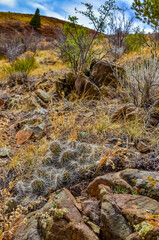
x,y
78,159
121,205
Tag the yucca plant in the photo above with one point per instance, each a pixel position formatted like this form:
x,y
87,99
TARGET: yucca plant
x,y
19,70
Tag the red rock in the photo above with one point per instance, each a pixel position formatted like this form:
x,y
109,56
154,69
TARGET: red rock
x,y
23,135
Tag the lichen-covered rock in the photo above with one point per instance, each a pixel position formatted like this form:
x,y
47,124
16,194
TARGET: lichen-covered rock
x,y
112,222
91,208
59,219
125,212
28,230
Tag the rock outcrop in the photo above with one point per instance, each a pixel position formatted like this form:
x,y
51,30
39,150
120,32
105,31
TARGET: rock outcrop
x,y
106,73
119,206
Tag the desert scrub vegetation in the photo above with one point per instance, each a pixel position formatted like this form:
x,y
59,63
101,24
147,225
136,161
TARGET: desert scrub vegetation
x,y
18,71
12,48
142,82
78,47
136,41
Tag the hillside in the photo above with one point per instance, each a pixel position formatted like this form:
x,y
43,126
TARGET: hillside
x,y
16,22
78,150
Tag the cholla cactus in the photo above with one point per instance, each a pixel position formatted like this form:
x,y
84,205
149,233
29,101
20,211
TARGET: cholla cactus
x,y
38,185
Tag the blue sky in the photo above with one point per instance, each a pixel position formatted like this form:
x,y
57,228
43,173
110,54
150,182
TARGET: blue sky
x,y
60,9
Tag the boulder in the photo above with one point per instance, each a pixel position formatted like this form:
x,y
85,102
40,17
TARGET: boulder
x,y
124,215
85,88
112,222
105,73
108,91
59,219
120,206
128,111
28,230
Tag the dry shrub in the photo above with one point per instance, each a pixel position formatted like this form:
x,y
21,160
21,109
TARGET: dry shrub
x,y
142,82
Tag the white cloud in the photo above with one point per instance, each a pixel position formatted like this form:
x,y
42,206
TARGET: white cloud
x,y
47,10
9,3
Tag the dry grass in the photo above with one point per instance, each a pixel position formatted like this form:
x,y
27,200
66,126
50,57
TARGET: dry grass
x,y
48,60
28,157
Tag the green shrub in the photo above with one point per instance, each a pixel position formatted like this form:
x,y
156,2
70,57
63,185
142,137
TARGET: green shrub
x,y
21,65
18,71
135,42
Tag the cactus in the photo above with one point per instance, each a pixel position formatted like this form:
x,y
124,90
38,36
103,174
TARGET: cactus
x,y
73,165
66,176
83,148
52,173
42,173
47,160
20,188
38,186
86,170
55,147
67,156
58,180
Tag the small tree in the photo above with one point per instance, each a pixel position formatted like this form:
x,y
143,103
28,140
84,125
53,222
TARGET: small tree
x,y
79,45
136,41
147,11
35,21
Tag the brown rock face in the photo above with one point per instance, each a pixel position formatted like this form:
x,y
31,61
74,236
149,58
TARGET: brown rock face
x,y
85,88
127,111
113,224
23,135
105,73
91,208
124,215
63,222
71,226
